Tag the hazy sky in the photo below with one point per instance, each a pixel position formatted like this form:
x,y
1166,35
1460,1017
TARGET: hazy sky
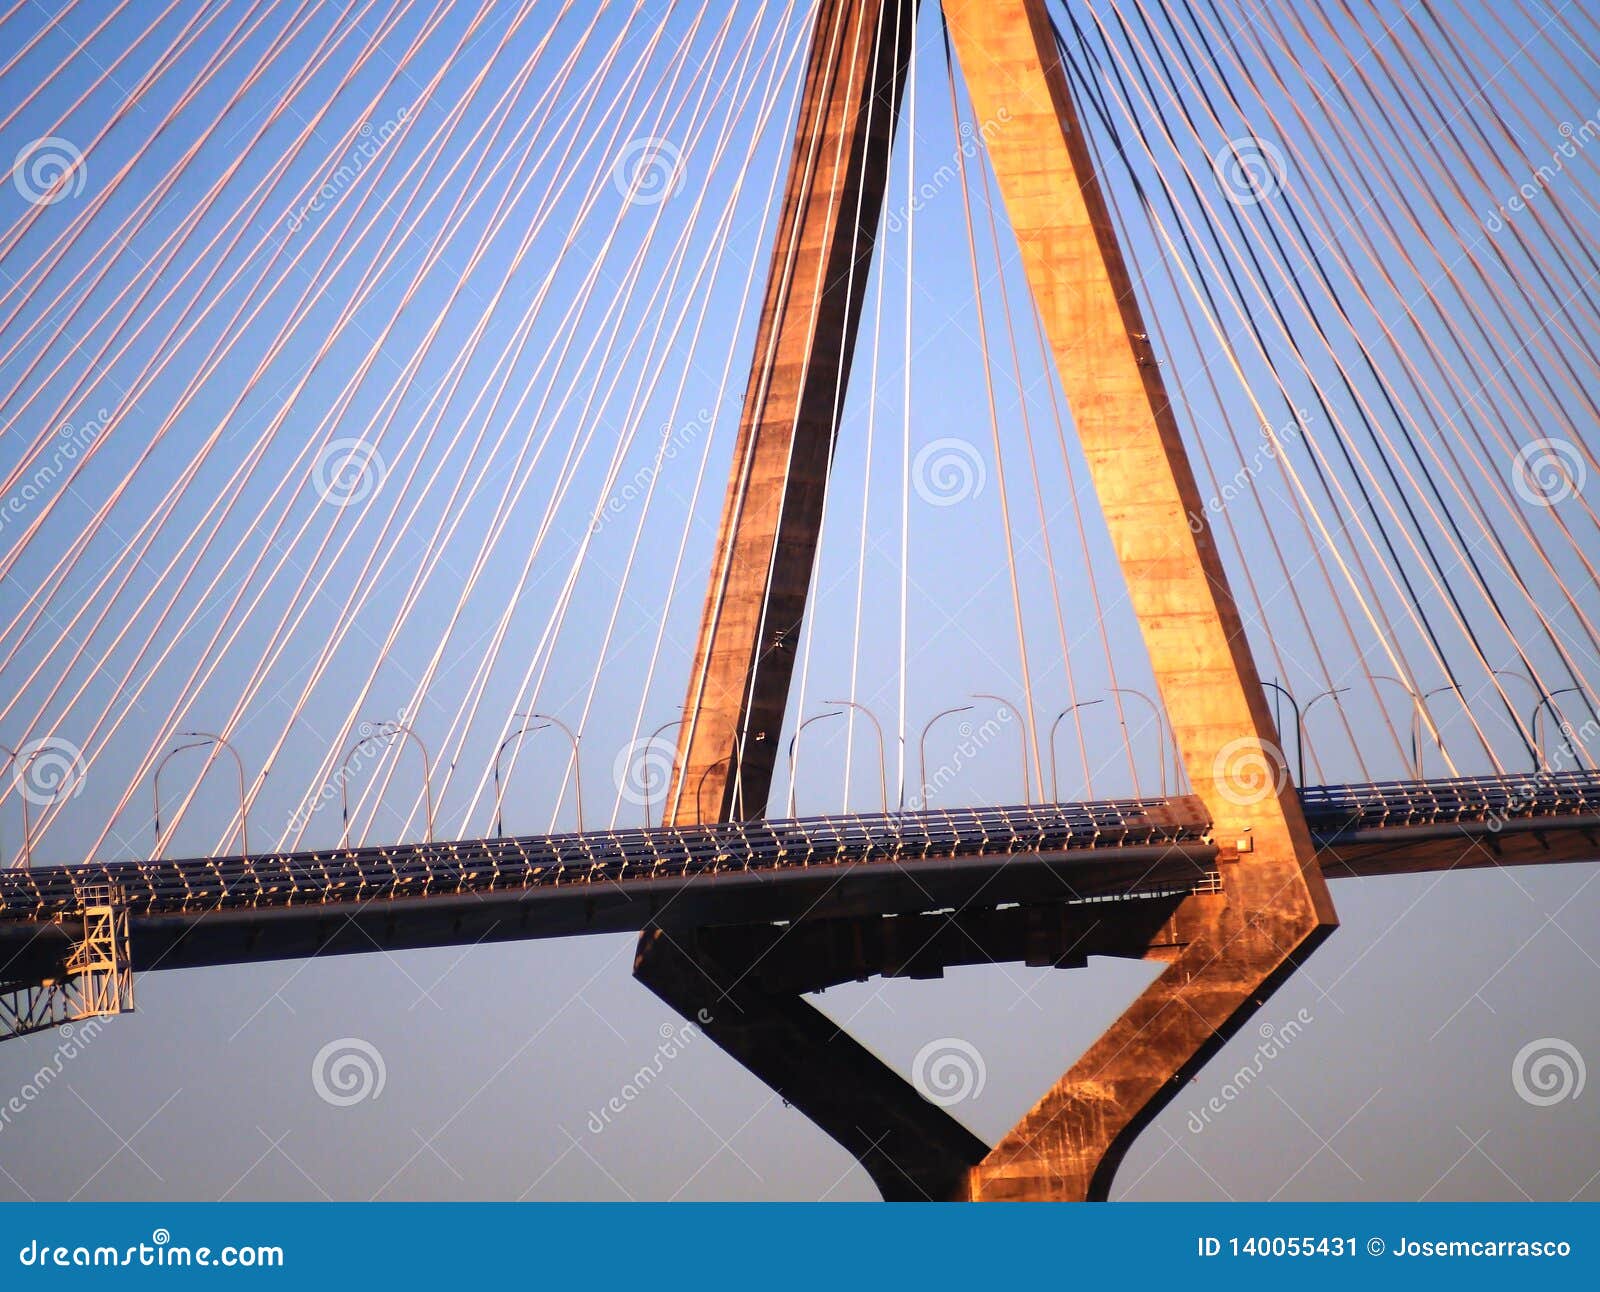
x,y
543,374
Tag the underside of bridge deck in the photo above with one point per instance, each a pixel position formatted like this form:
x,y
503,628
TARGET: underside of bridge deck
x,y
1232,950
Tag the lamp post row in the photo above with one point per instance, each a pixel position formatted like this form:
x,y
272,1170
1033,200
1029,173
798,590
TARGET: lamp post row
x,y
535,722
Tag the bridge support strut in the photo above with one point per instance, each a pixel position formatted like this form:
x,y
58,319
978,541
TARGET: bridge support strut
x,y
1226,953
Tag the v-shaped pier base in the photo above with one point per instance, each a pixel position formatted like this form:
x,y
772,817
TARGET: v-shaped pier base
x,y
1232,949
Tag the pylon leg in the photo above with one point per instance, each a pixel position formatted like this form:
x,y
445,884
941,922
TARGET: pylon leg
x,y
1276,906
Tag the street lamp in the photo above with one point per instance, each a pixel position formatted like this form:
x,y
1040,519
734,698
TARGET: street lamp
x,y
1055,791
1161,730
1416,720
386,731
655,736
922,750
1538,713
544,720
1303,717
816,717
27,854
1027,787
155,785
1299,731
883,768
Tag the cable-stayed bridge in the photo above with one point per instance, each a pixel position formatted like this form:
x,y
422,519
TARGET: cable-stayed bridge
x,y
1265,351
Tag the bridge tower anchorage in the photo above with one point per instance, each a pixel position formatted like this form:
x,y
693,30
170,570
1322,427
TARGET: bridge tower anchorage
x,y
1226,952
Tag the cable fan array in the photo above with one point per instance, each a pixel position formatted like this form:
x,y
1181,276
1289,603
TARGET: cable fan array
x,y
369,374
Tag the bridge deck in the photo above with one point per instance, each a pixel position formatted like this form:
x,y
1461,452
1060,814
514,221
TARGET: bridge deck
x,y
212,910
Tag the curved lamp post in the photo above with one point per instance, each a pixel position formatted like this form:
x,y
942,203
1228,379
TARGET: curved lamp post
x,y
155,784
238,767
883,767
26,854
816,717
386,731
1055,790
1161,729
543,721
525,729
655,736
1416,720
1027,785
1299,730
1303,717
922,750
1538,713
